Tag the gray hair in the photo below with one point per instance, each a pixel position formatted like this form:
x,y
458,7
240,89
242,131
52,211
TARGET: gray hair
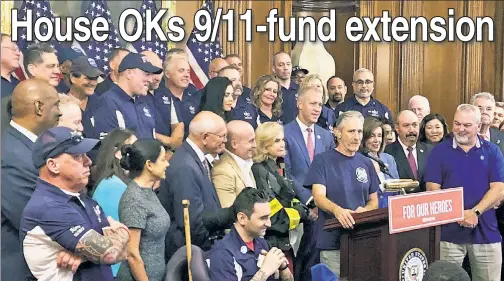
x,y
420,98
348,115
483,95
361,70
469,108
172,54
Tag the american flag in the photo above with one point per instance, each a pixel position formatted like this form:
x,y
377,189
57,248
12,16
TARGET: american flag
x,y
202,53
39,9
155,44
100,51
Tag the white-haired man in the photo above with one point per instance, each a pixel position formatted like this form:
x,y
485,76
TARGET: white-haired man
x,y
420,105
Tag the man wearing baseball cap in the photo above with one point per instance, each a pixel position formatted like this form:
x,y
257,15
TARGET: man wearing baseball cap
x,y
58,216
298,74
84,74
119,106
65,57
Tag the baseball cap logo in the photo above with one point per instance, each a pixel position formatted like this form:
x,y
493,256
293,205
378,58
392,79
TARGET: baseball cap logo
x,y
144,59
75,48
92,62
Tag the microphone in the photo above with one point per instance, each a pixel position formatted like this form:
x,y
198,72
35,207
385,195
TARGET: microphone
x,y
382,165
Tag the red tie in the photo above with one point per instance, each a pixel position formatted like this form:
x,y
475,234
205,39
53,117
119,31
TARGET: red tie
x,y
310,145
411,161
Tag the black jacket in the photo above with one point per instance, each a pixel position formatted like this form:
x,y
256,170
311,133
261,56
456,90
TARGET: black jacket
x,y
272,183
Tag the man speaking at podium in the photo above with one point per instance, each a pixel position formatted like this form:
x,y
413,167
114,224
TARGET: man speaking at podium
x,y
477,166
343,182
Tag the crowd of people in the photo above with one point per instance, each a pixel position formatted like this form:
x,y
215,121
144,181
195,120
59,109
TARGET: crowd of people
x,y
95,169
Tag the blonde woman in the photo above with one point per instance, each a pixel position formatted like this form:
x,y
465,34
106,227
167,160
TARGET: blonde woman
x,y
327,117
266,103
287,212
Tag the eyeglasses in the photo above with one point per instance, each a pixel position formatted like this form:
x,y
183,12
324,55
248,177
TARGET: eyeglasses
x,y
220,136
361,82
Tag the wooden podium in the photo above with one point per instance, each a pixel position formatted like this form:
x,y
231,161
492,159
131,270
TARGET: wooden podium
x,y
369,252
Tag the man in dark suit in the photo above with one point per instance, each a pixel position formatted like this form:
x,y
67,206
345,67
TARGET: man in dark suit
x,y
303,140
486,104
188,177
410,155
34,110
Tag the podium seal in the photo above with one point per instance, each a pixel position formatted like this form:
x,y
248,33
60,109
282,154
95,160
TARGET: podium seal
x,y
413,265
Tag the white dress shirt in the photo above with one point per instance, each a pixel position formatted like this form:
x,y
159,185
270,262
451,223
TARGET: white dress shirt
x,y
305,132
198,151
31,136
406,152
245,167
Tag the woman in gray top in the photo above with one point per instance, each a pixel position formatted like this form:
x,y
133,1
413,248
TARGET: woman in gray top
x,y
141,211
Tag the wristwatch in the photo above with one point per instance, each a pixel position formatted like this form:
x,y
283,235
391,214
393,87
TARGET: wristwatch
x,y
477,212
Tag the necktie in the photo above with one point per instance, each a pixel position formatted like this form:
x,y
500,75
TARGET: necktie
x,y
207,169
411,161
310,146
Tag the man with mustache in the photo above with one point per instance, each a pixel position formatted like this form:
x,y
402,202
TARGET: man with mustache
x,y
119,106
477,166
486,104
343,182
362,100
337,91
84,74
35,108
215,66
410,155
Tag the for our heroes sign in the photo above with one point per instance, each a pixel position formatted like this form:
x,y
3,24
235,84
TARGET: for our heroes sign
x,y
426,209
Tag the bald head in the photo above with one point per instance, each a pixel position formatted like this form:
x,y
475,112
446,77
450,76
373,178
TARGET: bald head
x,y
35,103
216,65
241,139
407,127
208,131
154,79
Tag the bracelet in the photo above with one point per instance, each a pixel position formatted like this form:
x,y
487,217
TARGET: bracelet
x,y
283,268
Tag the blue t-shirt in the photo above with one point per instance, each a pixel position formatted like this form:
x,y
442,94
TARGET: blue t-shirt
x,y
161,103
52,216
108,194
348,180
231,258
449,166
189,106
119,110
373,108
87,116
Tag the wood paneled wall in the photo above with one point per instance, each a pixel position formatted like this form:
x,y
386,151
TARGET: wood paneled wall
x,y
447,73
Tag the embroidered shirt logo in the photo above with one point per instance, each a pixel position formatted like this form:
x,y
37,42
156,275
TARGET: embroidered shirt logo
x,y
361,175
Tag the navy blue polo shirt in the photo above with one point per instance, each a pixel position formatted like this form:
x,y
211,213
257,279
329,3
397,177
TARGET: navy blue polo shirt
x,y
289,105
449,166
161,102
118,109
232,260
87,116
327,118
189,106
348,180
253,115
373,108
245,98
52,216
7,87
104,86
